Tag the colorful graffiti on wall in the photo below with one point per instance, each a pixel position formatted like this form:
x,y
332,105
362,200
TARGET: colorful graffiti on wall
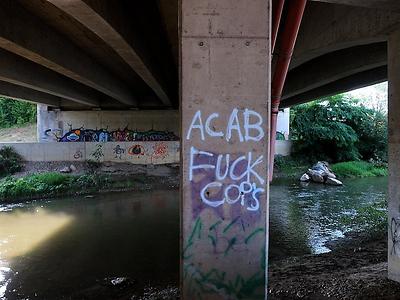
x,y
124,135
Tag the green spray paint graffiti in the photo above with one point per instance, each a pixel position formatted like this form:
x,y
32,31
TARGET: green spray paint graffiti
x,y
222,239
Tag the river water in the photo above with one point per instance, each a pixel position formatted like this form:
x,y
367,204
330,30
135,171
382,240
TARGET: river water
x,y
59,248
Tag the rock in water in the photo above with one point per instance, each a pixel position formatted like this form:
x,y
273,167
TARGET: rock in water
x,y
316,177
73,168
305,178
333,181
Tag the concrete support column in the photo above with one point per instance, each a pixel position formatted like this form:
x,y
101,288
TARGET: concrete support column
x,y
225,109
47,124
394,156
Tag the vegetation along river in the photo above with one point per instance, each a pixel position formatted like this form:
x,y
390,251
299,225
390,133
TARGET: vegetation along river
x,y
117,244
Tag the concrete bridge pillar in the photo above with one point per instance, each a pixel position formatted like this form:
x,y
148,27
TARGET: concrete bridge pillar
x,y
225,109
394,156
48,125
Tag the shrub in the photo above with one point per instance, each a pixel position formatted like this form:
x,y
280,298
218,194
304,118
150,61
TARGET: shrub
x,y
15,112
338,129
10,161
49,184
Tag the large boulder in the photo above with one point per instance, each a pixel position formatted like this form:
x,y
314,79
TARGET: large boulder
x,y
316,177
320,173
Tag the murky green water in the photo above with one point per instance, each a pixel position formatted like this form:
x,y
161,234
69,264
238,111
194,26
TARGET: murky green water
x,y
54,249
304,219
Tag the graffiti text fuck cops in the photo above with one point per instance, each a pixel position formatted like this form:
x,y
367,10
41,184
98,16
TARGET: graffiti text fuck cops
x,y
233,177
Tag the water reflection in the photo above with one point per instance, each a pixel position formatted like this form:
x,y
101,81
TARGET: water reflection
x,y
305,218
56,249
73,244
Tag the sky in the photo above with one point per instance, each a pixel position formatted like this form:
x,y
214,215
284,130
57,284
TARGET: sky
x,y
374,96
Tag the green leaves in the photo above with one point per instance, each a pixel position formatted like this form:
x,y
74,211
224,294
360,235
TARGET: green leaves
x,y
10,161
338,128
14,112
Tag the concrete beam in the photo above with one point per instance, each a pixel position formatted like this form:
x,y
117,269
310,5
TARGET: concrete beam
x,y
17,70
21,93
22,33
328,28
107,20
381,4
334,66
353,82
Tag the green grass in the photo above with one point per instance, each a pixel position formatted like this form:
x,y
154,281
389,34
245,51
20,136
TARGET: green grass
x,y
359,169
50,185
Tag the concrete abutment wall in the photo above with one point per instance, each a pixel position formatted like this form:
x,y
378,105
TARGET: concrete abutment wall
x,y
57,123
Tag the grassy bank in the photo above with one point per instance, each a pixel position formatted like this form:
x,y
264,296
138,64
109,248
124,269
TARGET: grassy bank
x,y
359,169
50,185
288,167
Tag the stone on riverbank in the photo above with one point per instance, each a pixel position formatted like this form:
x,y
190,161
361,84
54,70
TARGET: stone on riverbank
x,y
320,173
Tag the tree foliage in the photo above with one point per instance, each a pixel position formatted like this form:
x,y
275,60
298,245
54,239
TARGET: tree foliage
x,y
338,128
10,161
14,112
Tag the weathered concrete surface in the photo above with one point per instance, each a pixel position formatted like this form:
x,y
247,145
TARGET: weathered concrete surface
x,y
326,28
355,81
334,66
19,71
283,148
393,5
109,21
19,92
22,33
394,156
142,153
46,120
225,88
338,49
60,122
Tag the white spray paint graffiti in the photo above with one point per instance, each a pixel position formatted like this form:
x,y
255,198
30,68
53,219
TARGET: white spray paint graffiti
x,y
246,180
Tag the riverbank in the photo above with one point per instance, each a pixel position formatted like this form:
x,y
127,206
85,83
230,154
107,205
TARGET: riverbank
x,y
356,269
290,168
38,180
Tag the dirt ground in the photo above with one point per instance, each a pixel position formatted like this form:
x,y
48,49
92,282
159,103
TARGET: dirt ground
x,y
25,134
357,269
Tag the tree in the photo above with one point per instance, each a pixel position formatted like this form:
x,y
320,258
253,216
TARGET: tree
x,y
338,128
14,112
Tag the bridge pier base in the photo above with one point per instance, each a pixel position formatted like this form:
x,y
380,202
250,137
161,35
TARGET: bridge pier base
x,y
394,157
225,109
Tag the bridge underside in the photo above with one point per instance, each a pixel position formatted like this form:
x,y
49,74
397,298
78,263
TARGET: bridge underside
x,y
79,55
120,55
86,54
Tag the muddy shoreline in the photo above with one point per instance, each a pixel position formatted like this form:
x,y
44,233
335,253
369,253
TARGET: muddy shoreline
x,y
355,269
